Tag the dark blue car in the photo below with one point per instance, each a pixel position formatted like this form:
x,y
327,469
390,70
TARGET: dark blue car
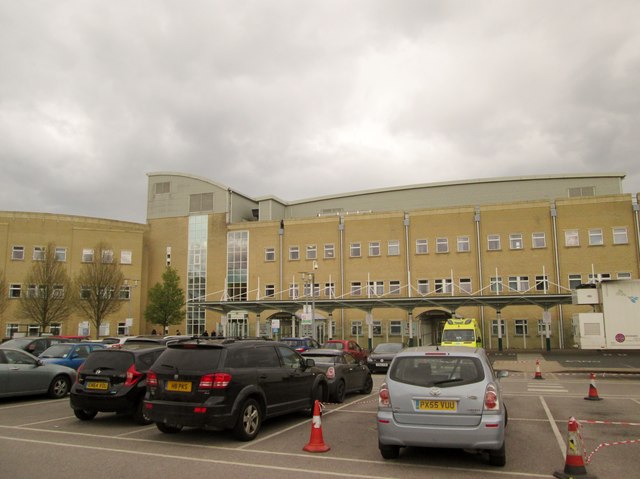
x,y
301,344
71,355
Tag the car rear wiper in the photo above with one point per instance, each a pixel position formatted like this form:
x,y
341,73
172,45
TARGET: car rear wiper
x,y
444,381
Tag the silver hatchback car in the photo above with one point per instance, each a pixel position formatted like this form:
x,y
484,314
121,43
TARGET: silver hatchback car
x,y
448,397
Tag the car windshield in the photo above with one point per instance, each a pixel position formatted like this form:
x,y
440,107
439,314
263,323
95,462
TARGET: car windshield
x,y
339,346
440,371
294,343
388,348
458,335
57,351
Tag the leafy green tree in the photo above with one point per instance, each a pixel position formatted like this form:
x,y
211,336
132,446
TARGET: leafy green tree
x,y
48,299
166,301
99,283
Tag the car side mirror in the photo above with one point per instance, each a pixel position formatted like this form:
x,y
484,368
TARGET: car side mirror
x,y
39,362
309,362
502,374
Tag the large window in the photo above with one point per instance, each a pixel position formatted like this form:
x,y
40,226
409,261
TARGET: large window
x,y
38,253
538,240
200,202
374,248
355,250
495,284
329,251
620,235
356,288
294,253
493,242
87,255
198,234
294,291
330,290
17,253
465,285
494,328
571,238
575,280
423,286
542,283
522,327
312,251
519,283
444,285
15,290
269,254
356,328
422,246
464,245
442,245
394,286
595,237
126,256
515,241
375,288
395,328
237,264
393,248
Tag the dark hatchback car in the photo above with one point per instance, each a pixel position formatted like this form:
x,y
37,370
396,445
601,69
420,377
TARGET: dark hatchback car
x,y
301,344
380,358
35,344
235,384
114,380
345,373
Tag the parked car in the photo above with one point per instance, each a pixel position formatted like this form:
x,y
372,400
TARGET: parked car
x,y
349,346
301,344
234,384
114,380
22,374
380,358
34,344
345,374
444,397
71,355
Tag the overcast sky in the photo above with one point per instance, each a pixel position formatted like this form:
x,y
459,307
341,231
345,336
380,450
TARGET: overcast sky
x,y
299,99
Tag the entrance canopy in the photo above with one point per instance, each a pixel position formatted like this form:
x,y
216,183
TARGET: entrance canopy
x,y
452,303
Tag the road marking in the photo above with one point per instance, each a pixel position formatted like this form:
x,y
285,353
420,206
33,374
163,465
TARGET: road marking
x,y
302,471
554,427
44,422
546,387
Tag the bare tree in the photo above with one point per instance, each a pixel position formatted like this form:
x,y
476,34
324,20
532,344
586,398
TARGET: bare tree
x,y
99,283
48,297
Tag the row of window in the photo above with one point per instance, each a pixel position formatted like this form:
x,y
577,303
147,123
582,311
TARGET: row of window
x,y
463,244
497,284
88,254
33,291
55,329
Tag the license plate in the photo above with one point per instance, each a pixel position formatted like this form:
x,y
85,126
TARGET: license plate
x,y
179,386
99,385
436,405
383,364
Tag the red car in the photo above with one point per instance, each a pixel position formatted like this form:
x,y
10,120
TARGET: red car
x,y
349,346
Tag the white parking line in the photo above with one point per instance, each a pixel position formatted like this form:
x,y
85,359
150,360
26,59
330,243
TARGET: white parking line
x,y
554,426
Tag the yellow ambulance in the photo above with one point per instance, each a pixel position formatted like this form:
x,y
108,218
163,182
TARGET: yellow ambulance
x,y
461,332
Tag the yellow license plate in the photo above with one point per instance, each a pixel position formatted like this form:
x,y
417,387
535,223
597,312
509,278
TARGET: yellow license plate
x,y
100,385
437,405
179,386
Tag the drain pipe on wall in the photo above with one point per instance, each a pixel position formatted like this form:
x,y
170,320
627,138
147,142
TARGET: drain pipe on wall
x,y
476,219
554,224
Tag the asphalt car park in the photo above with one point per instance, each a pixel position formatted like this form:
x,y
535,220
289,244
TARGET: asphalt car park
x,y
41,437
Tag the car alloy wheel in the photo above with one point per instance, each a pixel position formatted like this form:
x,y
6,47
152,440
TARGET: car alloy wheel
x,y
249,421
85,414
59,387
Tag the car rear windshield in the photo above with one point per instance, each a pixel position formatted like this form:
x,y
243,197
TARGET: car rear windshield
x,y
458,335
323,358
109,360
190,359
338,346
294,343
388,348
441,371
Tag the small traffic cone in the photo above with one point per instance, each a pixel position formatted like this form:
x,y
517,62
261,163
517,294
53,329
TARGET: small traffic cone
x,y
574,462
538,374
593,391
316,442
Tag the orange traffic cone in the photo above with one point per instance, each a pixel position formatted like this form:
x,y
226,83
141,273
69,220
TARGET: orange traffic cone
x,y
538,374
316,442
574,463
593,392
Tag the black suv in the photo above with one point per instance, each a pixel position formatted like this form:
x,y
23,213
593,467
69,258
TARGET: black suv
x,y
232,384
114,380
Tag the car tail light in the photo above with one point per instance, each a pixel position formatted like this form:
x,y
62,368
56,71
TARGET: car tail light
x,y
78,373
133,376
331,372
491,398
152,379
300,350
384,399
214,381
